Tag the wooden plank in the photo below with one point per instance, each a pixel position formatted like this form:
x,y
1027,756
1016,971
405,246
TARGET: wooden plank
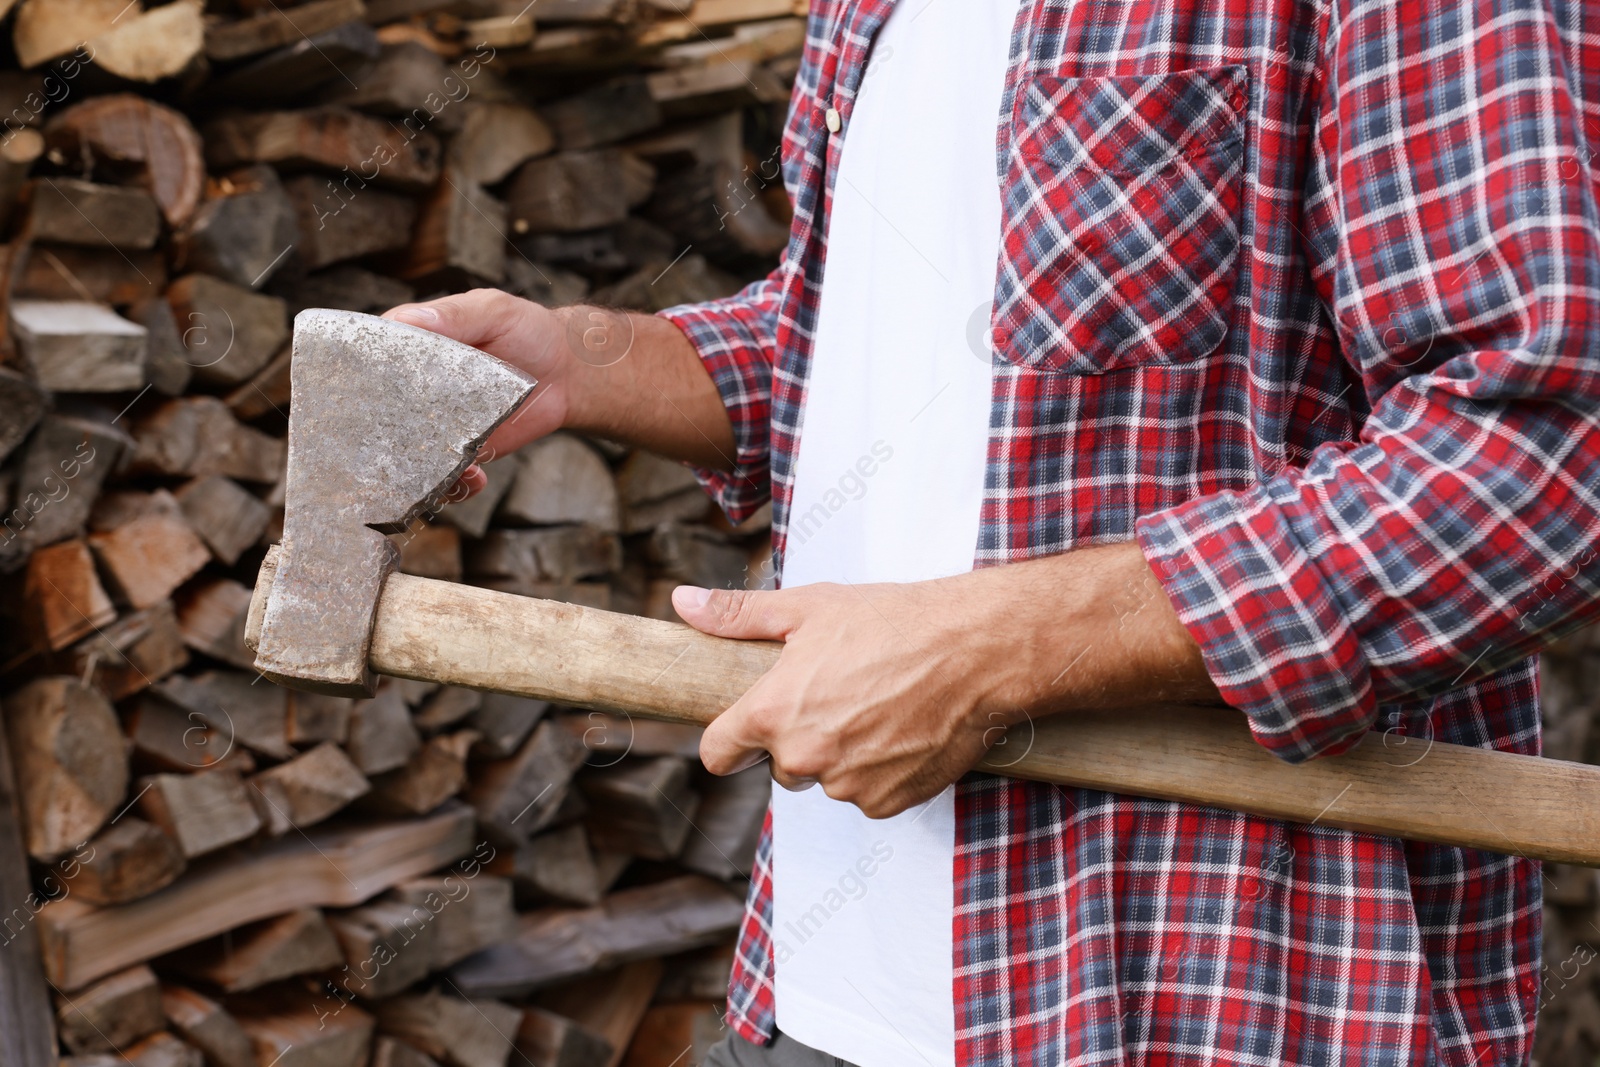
x,y
611,1005
559,943
327,868
27,1032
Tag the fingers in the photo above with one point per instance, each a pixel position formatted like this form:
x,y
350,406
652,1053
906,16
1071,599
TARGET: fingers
x,y
737,613
469,485
478,318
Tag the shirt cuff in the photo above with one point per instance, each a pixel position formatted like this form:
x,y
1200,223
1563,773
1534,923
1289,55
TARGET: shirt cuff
x,y
1274,636
731,350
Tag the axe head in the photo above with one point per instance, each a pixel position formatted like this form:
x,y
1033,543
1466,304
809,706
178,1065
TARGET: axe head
x,y
384,418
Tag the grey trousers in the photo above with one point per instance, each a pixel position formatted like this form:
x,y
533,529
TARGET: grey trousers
x,y
785,1051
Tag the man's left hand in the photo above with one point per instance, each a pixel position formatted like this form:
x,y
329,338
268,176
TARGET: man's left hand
x,y
886,693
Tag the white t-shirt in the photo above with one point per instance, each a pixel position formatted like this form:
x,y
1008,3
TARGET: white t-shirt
x,y
888,486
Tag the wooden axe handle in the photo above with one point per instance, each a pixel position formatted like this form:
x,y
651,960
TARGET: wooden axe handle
x,y
1408,787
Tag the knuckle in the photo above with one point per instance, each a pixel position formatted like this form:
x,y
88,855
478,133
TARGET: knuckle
x,y
730,607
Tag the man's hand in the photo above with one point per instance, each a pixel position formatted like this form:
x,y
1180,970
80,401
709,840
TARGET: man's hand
x,y
632,378
885,694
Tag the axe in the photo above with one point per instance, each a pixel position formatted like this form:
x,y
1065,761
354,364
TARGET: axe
x,y
385,417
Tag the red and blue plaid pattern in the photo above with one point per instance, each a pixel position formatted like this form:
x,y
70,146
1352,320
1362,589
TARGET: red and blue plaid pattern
x,y
1306,297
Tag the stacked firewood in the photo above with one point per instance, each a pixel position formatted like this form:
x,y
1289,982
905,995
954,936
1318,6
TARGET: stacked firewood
x,y
223,871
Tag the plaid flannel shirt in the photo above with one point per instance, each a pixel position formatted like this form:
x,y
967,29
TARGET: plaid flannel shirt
x,y
1302,294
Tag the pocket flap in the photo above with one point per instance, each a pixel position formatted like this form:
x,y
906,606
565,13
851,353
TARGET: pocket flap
x,y
1131,123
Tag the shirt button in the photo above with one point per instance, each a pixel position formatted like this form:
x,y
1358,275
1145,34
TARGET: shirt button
x,y
834,122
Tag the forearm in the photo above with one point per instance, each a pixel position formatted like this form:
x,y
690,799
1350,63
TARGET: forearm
x,y
1091,628
637,379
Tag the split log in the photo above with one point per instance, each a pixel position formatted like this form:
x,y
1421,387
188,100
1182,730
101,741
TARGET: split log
x,y
275,28
211,616
577,190
698,975
469,915
208,1026
238,706
411,83
198,436
146,558
447,706
63,468
639,923
698,556
715,86
315,717
644,807
560,479
22,405
433,775
503,722
252,956
519,561
69,272
604,115
291,1029
496,139
471,516
159,1050
130,654
246,231
75,346
381,736
326,868
387,947
336,225
360,148
202,812
166,366
169,736
545,1039
516,797
128,860
456,1032
350,288
71,773
558,866
652,490
728,824
227,517
460,237
431,550
126,131
392,1052
229,330
76,212
675,1033
19,151
294,70
307,789
611,1005
27,1036
114,1012
617,736
62,598
152,45
49,29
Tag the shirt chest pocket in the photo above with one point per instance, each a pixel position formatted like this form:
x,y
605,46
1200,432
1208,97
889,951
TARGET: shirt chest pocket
x,y
1121,225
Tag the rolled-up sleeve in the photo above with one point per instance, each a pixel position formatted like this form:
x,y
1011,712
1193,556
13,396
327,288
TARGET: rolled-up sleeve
x,y
735,338
1451,215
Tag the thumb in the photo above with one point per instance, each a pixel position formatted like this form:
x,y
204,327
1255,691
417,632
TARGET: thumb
x,y
737,613
478,318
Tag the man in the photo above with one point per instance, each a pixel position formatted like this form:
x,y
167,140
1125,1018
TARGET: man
x,y
1124,352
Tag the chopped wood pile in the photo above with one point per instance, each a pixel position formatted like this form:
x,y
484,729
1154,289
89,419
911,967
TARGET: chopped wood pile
x,y
1569,994
222,871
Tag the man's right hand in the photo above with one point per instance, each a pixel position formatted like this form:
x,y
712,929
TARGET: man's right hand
x,y
632,378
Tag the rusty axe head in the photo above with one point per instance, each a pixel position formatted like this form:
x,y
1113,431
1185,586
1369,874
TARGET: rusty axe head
x,y
384,418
